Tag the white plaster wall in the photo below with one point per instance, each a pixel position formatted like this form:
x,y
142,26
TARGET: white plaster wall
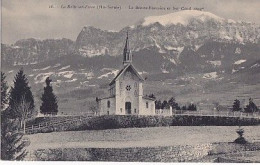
x,y
151,107
122,95
104,108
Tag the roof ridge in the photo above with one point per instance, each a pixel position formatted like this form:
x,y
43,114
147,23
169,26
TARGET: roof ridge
x,y
123,70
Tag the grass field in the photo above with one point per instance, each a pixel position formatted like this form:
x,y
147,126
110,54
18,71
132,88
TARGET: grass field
x,y
141,137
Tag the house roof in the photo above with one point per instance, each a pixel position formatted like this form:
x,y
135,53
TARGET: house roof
x,y
121,72
106,97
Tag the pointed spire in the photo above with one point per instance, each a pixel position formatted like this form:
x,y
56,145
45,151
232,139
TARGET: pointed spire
x,y
127,56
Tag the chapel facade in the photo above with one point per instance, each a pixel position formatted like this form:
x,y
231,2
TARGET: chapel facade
x,y
126,91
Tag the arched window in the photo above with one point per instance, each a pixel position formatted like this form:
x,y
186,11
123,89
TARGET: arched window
x,y
136,93
121,85
108,104
135,84
147,105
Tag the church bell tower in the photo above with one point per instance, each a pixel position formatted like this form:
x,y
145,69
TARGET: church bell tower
x,y
127,59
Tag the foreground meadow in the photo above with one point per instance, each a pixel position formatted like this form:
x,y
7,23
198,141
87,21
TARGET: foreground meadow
x,y
141,137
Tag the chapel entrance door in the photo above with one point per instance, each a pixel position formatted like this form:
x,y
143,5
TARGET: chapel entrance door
x,y
128,108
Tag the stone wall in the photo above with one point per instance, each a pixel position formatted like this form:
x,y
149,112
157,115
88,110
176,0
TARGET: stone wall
x,y
144,154
187,153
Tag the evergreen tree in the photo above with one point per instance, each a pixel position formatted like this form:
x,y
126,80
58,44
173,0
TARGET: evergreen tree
x,y
49,100
178,107
21,92
12,144
173,103
184,107
251,107
158,104
192,107
4,95
165,105
236,105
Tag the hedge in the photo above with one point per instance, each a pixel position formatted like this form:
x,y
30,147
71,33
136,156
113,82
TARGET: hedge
x,y
116,121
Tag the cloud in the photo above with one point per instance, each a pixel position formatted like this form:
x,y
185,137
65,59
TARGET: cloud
x,y
240,10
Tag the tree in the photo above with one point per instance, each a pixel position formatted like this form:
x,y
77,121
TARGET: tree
x,y
152,96
184,107
20,91
158,104
251,107
192,107
165,105
12,142
49,100
240,139
4,88
236,105
94,109
178,107
173,103
24,108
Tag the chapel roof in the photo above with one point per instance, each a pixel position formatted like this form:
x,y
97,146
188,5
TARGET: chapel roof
x,y
122,71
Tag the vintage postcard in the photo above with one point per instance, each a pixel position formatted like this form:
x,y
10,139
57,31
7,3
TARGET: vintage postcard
x,y
130,80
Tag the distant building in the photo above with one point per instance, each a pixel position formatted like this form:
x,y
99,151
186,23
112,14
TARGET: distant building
x,y
126,92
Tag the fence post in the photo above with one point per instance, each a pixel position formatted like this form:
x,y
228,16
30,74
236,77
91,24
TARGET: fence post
x,y
62,154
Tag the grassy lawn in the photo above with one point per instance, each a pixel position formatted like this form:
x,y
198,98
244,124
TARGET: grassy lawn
x,y
141,137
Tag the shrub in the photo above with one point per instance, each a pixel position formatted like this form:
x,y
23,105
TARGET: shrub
x,y
117,121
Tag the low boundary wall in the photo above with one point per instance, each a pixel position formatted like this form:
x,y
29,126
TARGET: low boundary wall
x,y
179,153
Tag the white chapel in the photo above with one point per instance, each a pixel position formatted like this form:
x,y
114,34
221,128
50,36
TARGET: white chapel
x,y
126,92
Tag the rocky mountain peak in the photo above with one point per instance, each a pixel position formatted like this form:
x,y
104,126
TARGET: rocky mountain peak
x,y
167,33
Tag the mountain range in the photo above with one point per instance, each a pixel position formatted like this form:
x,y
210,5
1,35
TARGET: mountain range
x,y
193,49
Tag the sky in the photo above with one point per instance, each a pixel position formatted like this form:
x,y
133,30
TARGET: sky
x,y
42,19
